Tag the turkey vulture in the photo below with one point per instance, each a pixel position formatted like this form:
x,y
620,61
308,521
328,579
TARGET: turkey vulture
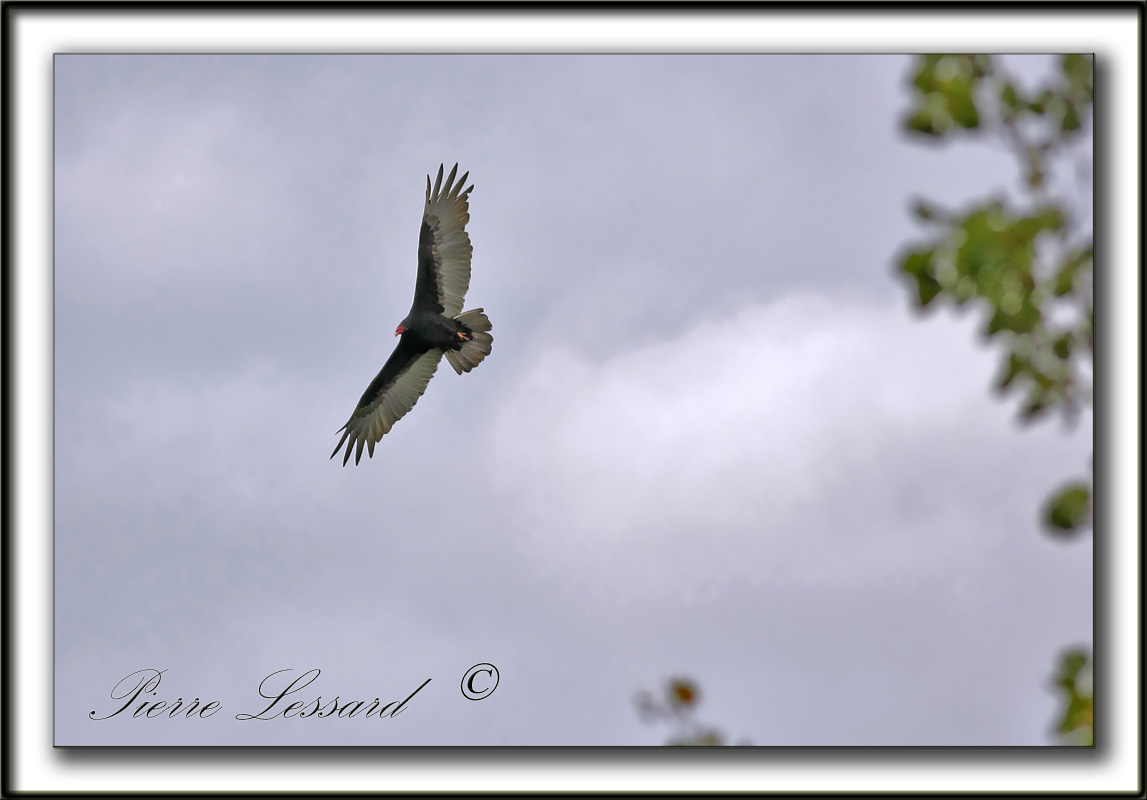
x,y
435,325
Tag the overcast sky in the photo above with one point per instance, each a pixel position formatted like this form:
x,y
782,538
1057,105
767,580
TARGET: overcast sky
x,y
712,438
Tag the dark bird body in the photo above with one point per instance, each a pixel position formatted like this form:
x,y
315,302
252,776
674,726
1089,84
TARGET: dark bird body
x,y
433,328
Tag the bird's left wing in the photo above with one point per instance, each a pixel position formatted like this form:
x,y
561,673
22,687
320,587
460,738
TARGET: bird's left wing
x,y
393,392
444,247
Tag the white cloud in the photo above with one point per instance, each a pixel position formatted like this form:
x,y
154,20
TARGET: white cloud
x,y
808,441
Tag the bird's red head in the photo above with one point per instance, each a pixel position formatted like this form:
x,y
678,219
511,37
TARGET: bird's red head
x,y
401,329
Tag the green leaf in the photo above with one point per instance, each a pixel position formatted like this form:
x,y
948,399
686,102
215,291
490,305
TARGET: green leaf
x,y
1075,677
917,263
925,122
1040,104
1008,96
981,65
1027,318
1037,405
1077,69
1070,118
1026,229
1072,264
1016,365
962,105
1062,346
925,78
946,93
1072,63
928,289
979,247
1069,509
1064,280
995,324
965,290
1073,661
1043,380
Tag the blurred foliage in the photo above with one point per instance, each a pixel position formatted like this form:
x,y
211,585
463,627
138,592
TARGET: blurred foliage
x,y
1074,678
677,704
1023,263
1026,263
1069,509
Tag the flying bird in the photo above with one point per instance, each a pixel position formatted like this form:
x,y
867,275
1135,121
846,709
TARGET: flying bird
x,y
436,325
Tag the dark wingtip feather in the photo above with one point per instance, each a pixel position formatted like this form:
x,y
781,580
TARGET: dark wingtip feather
x,y
438,180
338,446
455,192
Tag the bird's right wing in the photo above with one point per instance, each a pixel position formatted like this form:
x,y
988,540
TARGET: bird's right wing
x,y
444,247
393,392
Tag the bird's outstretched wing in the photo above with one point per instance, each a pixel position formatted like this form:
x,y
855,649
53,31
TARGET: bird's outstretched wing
x,y
444,247
392,393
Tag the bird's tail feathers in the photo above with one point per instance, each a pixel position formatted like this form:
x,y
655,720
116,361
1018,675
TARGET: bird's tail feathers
x,y
476,348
